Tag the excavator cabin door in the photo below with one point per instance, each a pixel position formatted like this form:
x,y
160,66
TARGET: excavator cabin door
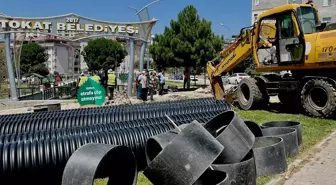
x,y
280,40
291,45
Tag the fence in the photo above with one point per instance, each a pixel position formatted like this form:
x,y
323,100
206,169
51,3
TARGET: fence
x,y
66,91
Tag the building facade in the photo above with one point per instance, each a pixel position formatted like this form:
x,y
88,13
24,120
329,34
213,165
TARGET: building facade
x,y
63,57
326,8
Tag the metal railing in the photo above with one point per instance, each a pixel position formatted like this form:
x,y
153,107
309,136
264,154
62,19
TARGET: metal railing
x,y
67,91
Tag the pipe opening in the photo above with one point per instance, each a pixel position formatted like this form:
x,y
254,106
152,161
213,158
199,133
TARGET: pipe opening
x,y
117,167
281,124
219,123
153,148
263,142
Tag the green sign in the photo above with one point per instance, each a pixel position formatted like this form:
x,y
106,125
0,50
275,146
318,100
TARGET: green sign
x,y
91,93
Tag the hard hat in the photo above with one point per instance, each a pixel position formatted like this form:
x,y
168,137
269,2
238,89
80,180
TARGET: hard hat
x,y
110,71
82,74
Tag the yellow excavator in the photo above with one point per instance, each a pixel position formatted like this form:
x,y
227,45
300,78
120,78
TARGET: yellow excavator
x,y
285,38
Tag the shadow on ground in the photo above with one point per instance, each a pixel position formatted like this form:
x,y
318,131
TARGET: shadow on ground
x,y
288,109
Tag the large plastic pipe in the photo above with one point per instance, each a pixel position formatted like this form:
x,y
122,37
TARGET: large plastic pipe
x,y
185,158
91,161
231,131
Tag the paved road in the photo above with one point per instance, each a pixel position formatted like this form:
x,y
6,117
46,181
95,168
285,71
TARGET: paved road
x,y
321,169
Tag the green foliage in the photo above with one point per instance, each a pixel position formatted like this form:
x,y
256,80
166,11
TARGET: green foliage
x,y
188,42
102,53
33,57
39,69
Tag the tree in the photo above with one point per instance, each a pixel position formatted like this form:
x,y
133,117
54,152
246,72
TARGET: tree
x,y
33,58
188,42
103,53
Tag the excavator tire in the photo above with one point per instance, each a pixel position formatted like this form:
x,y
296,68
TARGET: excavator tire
x,y
319,98
248,94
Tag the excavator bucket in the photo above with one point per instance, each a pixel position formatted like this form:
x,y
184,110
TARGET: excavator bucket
x,y
216,83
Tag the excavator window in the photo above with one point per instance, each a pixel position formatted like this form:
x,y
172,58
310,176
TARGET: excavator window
x,y
308,19
280,41
267,41
291,44
286,26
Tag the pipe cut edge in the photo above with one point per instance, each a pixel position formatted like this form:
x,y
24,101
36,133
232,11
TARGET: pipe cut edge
x,y
100,161
243,172
185,158
269,155
288,135
286,124
232,132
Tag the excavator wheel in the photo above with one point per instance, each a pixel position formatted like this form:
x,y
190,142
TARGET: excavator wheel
x,y
249,95
318,98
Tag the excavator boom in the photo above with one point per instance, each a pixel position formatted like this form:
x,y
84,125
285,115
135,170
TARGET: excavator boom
x,y
236,53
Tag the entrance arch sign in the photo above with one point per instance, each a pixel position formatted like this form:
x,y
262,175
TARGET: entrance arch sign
x,y
73,27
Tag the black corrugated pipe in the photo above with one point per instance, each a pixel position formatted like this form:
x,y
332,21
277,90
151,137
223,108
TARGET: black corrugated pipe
x,y
59,122
54,152
105,109
66,122
50,132
35,153
140,112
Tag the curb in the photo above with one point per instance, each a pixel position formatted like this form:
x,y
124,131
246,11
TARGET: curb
x,y
281,179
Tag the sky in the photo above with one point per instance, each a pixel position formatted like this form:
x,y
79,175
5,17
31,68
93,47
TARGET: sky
x,y
233,14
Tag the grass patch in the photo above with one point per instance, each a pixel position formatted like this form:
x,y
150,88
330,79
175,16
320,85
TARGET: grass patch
x,y
174,83
314,130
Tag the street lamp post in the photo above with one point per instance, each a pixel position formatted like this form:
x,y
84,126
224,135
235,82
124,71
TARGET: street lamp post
x,y
144,17
224,26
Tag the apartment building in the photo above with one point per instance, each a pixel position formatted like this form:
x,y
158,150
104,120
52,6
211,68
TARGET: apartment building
x,y
326,8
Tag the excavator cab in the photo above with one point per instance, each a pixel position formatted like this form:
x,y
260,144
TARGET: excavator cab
x,y
279,39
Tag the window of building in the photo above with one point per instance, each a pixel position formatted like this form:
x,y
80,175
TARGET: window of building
x,y
326,2
326,20
294,1
256,2
255,17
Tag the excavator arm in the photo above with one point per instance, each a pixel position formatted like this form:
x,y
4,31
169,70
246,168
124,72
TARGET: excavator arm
x,y
236,53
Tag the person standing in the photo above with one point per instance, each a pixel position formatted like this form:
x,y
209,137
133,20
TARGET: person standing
x,y
103,79
186,78
111,83
58,80
144,86
152,85
162,83
137,82
82,79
